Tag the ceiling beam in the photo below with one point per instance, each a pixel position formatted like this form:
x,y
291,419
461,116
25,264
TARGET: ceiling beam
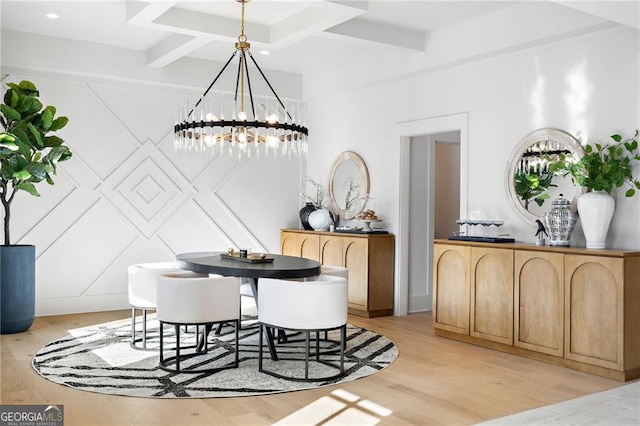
x,y
173,48
140,13
623,12
381,33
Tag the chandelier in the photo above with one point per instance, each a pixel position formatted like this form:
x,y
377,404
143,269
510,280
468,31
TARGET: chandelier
x,y
240,121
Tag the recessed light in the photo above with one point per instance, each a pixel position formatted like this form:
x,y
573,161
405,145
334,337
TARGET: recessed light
x,y
52,15
264,52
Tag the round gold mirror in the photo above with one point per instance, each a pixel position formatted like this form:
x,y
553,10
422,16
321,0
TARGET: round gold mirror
x,y
348,185
530,185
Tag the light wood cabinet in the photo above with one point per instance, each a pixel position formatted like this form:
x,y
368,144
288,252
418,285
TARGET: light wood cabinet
x,y
539,301
451,284
570,306
300,245
473,292
369,258
594,303
491,303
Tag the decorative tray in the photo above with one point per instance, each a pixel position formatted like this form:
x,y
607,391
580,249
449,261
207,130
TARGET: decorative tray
x,y
251,258
361,231
483,239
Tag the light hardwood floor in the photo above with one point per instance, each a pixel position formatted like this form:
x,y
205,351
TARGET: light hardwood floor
x,y
434,381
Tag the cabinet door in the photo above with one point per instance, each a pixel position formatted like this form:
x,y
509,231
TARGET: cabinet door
x,y
594,302
451,288
331,252
492,294
380,275
356,259
539,298
300,245
289,244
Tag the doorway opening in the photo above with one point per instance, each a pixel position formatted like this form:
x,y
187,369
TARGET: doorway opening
x,y
433,194
434,188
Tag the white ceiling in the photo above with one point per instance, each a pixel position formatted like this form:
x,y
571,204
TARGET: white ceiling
x,y
169,30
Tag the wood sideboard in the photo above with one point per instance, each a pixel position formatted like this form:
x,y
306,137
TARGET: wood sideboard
x,y
369,258
570,306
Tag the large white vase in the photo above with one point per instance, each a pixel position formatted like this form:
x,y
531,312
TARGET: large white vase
x,y
596,210
320,220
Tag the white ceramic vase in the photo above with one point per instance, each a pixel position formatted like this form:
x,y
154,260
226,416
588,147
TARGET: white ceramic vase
x,y
596,210
320,220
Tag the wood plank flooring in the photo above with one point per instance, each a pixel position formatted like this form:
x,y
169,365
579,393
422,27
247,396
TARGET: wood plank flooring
x,y
434,381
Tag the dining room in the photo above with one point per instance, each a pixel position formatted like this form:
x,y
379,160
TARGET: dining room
x,y
164,169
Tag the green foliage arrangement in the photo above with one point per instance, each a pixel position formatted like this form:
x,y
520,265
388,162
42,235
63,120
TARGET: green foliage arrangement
x,y
605,167
533,187
29,152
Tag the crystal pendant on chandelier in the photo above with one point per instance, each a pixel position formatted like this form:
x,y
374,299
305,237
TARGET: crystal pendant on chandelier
x,y
240,121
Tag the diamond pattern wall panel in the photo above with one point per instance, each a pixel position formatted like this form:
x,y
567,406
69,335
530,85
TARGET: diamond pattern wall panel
x,y
192,229
71,265
93,132
125,197
145,114
115,276
147,189
190,165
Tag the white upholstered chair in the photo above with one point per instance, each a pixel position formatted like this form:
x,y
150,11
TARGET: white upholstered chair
x,y
142,294
187,298
336,271
308,307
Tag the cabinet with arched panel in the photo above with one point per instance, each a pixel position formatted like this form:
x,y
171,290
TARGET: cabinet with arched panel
x,y
595,311
368,257
570,306
300,245
539,301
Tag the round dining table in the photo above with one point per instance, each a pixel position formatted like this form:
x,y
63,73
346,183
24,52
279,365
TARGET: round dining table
x,y
281,267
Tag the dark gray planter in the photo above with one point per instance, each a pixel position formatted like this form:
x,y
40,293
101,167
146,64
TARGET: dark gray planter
x,y
17,288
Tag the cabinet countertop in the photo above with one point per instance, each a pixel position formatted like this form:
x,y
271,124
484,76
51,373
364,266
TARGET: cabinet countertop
x,y
533,247
339,234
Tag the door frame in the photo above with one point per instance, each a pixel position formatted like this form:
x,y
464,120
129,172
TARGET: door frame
x,y
405,131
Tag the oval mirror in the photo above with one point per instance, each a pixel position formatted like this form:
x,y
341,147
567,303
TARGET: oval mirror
x,y
348,185
530,186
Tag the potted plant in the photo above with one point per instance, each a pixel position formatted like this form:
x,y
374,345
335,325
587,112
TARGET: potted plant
x,y
318,218
312,202
29,154
602,169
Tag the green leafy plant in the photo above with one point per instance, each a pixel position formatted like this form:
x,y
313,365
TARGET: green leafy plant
x,y
605,167
533,187
29,152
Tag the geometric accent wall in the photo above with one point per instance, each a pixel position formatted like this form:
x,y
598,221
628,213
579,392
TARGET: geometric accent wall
x,y
125,197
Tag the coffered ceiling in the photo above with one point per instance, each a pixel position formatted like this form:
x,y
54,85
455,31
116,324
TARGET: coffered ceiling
x,y
170,30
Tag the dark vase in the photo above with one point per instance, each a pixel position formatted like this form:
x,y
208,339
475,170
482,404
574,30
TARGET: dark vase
x,y
17,287
304,215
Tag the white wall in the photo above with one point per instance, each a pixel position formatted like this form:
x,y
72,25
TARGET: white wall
x,y
585,82
125,197
529,66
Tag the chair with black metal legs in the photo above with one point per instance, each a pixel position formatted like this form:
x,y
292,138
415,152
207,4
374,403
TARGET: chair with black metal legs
x,y
307,307
188,298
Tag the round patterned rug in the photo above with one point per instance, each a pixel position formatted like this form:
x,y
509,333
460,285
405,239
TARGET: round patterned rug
x,y
99,359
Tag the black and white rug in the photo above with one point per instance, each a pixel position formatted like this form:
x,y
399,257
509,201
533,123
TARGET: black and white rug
x,y
99,359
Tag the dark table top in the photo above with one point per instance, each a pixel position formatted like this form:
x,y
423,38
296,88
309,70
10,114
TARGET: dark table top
x,y
281,267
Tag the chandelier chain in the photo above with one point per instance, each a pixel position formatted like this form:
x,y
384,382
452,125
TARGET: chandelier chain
x,y
242,37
